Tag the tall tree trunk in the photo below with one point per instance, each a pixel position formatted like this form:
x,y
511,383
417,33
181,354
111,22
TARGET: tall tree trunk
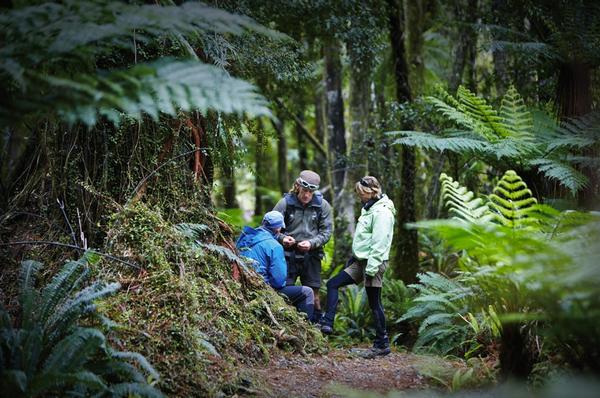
x,y
359,123
342,200
471,72
405,262
501,77
302,152
229,187
258,169
321,159
574,98
282,171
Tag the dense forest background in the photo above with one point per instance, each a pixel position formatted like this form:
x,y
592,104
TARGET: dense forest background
x,y
138,137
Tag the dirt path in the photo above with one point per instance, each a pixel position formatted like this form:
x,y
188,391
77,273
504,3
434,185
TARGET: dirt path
x,y
327,376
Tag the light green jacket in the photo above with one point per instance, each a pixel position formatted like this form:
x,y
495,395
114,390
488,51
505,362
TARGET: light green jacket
x,y
374,232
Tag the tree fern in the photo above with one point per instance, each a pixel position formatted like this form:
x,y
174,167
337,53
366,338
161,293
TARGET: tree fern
x,y
46,45
514,133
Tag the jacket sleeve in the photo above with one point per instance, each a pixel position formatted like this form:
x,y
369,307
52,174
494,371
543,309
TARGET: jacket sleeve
x,y
280,207
381,240
325,227
278,269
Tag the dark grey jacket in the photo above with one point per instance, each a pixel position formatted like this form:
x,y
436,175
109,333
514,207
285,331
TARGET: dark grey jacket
x,y
313,222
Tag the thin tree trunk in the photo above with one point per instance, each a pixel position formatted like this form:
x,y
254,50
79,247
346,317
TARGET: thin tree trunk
x,y
342,199
574,98
471,72
359,123
258,169
302,152
282,172
405,261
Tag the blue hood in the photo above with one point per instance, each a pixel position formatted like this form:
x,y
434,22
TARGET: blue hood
x,y
251,236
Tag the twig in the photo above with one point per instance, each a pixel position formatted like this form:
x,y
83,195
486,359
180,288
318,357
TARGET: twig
x,y
157,169
315,141
62,209
44,242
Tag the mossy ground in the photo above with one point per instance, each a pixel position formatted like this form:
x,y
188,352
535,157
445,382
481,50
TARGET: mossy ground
x,y
186,312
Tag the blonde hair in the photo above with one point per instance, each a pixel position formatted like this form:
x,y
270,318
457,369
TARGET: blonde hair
x,y
368,185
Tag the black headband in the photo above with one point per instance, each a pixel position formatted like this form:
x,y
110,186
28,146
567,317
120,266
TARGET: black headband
x,y
364,183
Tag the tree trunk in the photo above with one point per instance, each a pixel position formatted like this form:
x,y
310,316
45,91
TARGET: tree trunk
x,y
282,172
321,159
342,200
258,169
574,98
471,72
359,123
405,261
501,77
302,152
229,186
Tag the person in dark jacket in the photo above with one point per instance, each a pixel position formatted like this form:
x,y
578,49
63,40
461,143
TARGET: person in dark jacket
x,y
309,223
260,245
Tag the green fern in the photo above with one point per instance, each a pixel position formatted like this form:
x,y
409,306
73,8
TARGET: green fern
x,y
514,133
461,202
512,201
48,353
45,47
438,307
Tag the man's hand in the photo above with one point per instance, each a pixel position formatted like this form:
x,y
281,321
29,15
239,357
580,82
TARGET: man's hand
x,y
288,241
304,246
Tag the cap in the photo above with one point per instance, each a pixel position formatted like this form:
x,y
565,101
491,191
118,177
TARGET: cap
x,y
309,179
273,220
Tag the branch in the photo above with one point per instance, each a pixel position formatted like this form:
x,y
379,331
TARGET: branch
x,y
44,242
311,137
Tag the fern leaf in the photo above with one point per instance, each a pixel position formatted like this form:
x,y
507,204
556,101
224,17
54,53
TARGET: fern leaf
x,y
461,203
139,359
511,200
439,143
561,172
75,350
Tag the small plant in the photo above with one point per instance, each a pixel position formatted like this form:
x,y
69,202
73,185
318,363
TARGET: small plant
x,y
47,351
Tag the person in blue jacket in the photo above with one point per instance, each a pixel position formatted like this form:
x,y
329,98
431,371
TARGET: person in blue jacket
x,y
260,245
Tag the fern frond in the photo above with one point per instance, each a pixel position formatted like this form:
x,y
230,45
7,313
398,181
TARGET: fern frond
x,y
139,359
517,121
75,350
152,89
192,231
439,143
490,123
58,289
511,200
561,172
461,202
45,383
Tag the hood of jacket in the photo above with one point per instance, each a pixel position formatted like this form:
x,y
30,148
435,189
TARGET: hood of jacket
x,y
252,236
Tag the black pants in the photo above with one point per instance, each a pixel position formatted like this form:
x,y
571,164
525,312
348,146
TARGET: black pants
x,y
374,297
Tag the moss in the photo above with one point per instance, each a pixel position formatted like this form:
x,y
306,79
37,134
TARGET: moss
x,y
187,314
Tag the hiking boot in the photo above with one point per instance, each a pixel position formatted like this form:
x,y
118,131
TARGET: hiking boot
x,y
326,329
380,352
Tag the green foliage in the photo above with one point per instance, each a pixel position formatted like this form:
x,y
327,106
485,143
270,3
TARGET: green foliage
x,y
47,352
461,203
49,50
530,265
514,134
438,306
353,313
186,312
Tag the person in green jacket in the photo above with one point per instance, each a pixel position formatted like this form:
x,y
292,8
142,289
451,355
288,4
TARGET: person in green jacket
x,y
370,254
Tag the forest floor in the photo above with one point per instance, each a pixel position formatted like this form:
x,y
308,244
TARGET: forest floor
x,y
342,370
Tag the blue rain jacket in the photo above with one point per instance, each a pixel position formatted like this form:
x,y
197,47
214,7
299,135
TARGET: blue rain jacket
x,y
260,245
